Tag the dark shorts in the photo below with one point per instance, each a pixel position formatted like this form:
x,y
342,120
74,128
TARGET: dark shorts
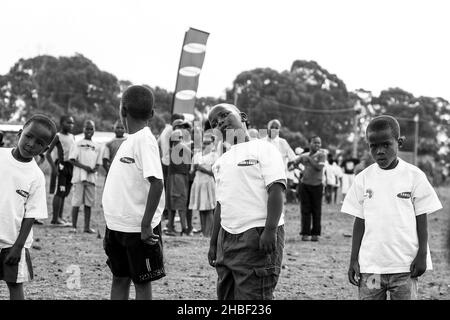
x,y
130,257
64,179
16,273
244,271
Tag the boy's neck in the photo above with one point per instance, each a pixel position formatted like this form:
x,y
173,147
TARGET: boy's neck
x,y
135,125
16,155
87,138
393,165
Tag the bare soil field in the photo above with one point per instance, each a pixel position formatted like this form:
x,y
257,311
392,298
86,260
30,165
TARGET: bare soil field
x,y
311,270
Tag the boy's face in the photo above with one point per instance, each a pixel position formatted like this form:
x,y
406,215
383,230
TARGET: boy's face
x,y
225,117
315,144
88,130
67,125
34,140
119,130
383,147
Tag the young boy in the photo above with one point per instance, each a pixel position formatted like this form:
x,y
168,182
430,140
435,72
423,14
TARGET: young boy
x,y
247,242
390,200
133,202
85,157
22,199
112,146
61,169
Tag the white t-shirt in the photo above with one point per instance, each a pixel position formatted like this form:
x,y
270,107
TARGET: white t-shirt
x,y
67,142
283,146
126,188
22,195
242,175
389,201
164,142
88,153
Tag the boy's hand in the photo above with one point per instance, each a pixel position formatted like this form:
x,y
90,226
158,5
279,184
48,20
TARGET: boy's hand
x,y
418,266
353,273
14,255
148,236
212,255
268,240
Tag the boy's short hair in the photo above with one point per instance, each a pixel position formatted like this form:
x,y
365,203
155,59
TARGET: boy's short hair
x,y
138,101
384,122
176,116
313,137
88,121
64,118
43,120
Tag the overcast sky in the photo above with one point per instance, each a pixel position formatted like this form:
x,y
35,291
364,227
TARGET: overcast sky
x,y
368,44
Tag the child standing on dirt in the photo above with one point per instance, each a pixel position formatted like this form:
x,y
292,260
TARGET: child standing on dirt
x,y
247,242
133,202
22,200
390,200
61,169
85,156
178,183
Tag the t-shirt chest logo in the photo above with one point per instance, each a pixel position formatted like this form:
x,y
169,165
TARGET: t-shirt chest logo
x,y
248,162
127,160
23,193
404,195
368,194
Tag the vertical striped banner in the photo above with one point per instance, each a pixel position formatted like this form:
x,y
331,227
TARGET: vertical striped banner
x,y
191,62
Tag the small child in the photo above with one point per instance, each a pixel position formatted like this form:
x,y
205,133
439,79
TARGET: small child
x,y
86,158
203,191
112,146
61,168
22,200
247,241
178,183
133,202
390,200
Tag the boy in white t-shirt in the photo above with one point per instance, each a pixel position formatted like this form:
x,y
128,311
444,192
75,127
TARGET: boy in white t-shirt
x,y
85,157
133,202
247,241
390,200
22,200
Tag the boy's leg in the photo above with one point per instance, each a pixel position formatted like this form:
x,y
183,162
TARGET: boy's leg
x,y
255,273
89,201
183,221
87,220
316,209
15,291
372,287
120,288
75,216
305,210
225,280
203,214
143,291
402,287
117,261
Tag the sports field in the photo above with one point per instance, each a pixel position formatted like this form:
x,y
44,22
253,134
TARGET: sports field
x,y
310,270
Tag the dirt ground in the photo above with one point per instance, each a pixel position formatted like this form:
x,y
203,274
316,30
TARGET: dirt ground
x,y
310,270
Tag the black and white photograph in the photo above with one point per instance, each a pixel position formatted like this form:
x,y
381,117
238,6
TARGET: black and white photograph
x,y
232,152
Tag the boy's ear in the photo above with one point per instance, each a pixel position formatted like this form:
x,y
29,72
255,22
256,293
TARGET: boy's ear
x,y
123,111
401,141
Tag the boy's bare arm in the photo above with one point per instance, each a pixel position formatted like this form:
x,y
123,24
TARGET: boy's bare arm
x,y
78,164
215,233
419,264
48,154
358,233
268,240
154,195
15,252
